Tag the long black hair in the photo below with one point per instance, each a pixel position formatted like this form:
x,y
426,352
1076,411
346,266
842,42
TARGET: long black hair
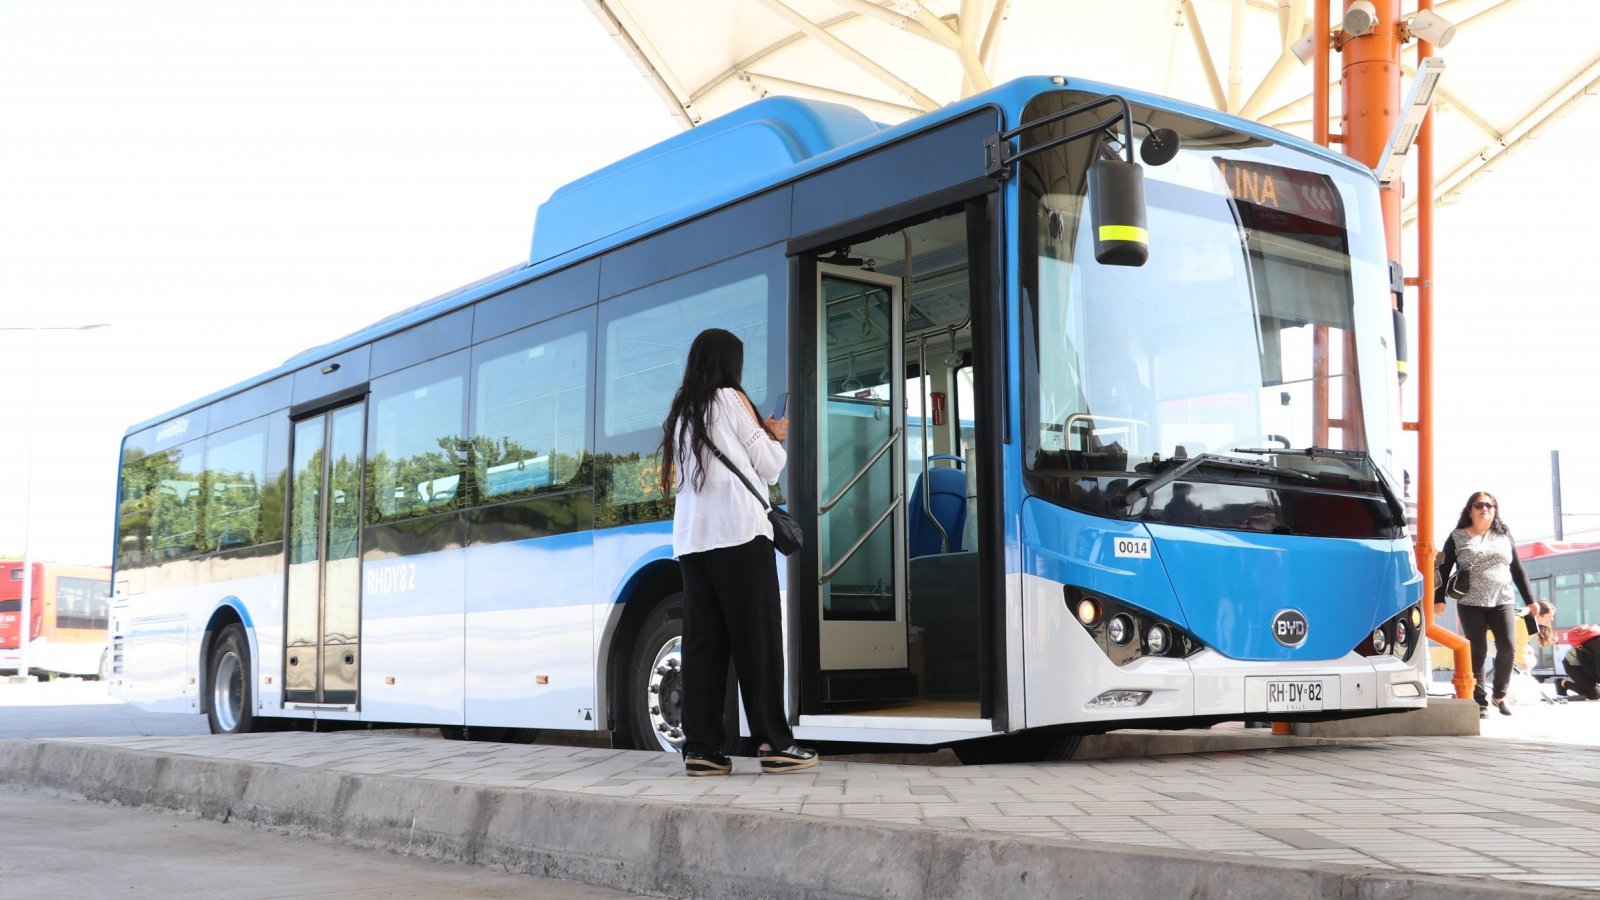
x,y
716,361
1498,526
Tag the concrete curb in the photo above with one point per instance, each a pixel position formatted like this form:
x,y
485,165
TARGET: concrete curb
x,y
687,850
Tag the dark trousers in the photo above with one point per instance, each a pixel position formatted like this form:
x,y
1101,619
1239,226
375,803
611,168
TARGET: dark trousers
x,y
730,607
1583,665
1477,623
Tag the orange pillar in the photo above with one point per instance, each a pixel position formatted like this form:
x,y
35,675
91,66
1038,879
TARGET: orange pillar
x,y
1371,84
1464,677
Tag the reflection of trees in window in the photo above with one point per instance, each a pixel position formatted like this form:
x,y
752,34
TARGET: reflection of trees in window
x,y
233,512
426,482
506,470
160,513
133,511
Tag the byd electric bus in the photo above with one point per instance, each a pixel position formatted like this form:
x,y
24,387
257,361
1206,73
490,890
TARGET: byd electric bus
x,y
1092,425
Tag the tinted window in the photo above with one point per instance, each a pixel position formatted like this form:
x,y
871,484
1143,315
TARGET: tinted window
x,y
531,401
82,602
166,485
415,446
644,340
235,483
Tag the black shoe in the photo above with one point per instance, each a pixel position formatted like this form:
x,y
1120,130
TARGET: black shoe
x,y
699,765
789,759
1483,712
1561,687
1501,705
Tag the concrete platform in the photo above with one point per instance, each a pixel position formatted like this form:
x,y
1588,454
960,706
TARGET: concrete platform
x,y
1454,818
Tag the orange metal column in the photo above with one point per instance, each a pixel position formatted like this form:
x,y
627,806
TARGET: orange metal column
x,y
1464,677
1371,84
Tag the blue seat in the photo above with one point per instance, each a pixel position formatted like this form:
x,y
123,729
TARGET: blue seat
x,y
947,498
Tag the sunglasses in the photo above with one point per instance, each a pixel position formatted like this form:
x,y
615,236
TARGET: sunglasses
x,y
1482,505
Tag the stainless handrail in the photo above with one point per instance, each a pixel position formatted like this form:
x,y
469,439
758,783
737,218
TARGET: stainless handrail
x,y
828,575
830,504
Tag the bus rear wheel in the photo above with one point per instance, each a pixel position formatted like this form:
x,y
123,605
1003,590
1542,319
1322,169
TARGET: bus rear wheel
x,y
655,679
232,707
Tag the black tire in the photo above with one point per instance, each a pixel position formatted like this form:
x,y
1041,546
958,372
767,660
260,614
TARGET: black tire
x,y
654,701
1026,747
653,689
232,702
494,734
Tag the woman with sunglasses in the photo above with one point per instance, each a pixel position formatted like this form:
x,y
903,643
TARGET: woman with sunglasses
x,y
1482,551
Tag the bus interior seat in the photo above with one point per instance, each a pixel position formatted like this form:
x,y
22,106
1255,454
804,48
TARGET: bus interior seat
x,y
947,499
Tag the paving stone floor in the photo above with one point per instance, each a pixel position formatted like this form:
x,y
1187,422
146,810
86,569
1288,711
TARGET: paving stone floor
x,y
1503,805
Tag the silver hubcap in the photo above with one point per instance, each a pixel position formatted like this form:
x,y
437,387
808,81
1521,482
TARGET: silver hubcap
x,y
227,691
664,695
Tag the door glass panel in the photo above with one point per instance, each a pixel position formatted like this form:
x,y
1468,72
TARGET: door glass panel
x,y
322,610
341,624
857,420
302,606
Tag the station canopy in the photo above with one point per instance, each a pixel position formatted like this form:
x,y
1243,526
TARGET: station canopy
x,y
1512,67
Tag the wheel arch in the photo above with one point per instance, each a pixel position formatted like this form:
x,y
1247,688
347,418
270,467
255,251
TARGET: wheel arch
x,y
229,612
652,581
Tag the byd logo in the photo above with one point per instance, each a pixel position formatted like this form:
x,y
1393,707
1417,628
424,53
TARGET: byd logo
x,y
1290,628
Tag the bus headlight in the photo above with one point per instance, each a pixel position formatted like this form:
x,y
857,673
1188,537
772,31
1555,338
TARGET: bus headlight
x,y
1089,612
1380,641
1125,632
1120,630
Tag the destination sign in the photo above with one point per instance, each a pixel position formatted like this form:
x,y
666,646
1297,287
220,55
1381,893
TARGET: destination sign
x,y
1267,195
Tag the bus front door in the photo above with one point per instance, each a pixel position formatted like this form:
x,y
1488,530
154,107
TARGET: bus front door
x,y
861,483
322,609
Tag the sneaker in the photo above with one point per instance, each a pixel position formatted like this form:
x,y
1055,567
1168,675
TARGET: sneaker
x,y
1501,705
699,765
789,759
1561,687
1483,712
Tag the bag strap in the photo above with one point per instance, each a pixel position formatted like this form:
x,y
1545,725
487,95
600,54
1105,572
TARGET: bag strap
x,y
740,475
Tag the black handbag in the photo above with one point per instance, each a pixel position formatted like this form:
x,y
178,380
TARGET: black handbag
x,y
1459,582
786,533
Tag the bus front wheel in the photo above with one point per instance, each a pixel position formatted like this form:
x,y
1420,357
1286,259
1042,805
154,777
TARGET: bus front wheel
x,y
232,707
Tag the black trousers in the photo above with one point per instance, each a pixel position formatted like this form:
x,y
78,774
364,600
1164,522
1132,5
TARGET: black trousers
x,y
1583,665
731,608
1477,623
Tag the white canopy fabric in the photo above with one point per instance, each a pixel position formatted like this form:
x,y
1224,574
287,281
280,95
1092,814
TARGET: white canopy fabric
x,y
1513,67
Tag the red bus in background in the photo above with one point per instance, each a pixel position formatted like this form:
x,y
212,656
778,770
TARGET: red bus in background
x,y
70,605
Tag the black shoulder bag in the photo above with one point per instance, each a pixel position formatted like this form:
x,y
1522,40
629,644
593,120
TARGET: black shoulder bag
x,y
786,533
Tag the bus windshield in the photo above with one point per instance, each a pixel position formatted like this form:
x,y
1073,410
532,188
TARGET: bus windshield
x,y
1261,320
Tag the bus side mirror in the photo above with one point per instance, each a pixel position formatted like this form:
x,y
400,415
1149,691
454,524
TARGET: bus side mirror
x,y
1118,213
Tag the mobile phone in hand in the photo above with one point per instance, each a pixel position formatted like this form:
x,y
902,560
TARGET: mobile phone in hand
x,y
782,408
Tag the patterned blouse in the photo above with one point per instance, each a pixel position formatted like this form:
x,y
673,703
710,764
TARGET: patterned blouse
x,y
1490,561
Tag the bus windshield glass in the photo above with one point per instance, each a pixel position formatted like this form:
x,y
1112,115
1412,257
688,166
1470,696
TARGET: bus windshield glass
x,y
1260,322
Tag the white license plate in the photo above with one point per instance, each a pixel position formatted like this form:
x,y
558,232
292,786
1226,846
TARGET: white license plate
x,y
1295,696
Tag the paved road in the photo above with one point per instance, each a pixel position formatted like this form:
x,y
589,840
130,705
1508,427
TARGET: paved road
x,y
59,847
70,707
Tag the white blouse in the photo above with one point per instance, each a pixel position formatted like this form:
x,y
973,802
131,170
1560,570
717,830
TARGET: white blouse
x,y
723,512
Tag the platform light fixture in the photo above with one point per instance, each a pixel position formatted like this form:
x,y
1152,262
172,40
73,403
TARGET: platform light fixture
x,y
1360,18
1416,107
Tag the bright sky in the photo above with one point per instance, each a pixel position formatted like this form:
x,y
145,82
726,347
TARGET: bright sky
x,y
228,183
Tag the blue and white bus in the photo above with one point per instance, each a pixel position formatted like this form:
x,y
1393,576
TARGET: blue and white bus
x,y
1045,495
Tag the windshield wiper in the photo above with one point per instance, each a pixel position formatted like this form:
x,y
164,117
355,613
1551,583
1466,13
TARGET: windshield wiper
x,y
1126,500
1355,459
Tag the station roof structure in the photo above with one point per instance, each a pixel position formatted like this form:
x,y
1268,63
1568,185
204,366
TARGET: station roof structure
x,y
1513,67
